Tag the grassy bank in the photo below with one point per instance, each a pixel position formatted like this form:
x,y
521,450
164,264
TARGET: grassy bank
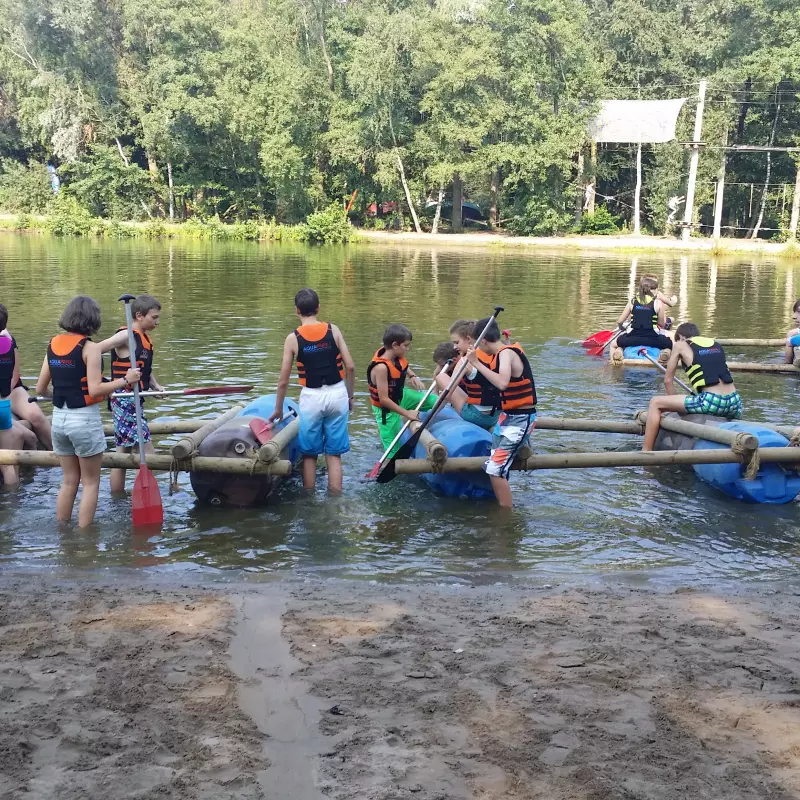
x,y
330,227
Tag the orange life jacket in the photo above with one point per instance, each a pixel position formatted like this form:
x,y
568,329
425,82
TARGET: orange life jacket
x,y
520,394
144,360
479,390
68,371
397,378
319,360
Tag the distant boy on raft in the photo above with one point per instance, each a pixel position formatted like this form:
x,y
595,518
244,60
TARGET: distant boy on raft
x,y
392,401
707,370
509,371
146,312
475,398
327,374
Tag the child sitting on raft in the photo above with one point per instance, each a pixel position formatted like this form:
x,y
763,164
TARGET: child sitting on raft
x,y
705,365
647,314
444,352
392,401
475,398
793,337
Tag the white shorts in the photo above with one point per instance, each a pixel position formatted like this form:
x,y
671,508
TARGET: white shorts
x,y
323,420
78,431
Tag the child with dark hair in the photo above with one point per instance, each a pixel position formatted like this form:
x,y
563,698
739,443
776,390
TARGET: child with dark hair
x,y
707,370
509,371
327,374
9,375
74,365
146,313
392,401
793,337
442,353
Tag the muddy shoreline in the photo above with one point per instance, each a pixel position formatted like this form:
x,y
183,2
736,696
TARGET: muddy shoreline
x,y
141,687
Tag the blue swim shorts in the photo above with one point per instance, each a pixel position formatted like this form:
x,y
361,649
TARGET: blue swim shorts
x,y
6,420
323,421
719,405
471,413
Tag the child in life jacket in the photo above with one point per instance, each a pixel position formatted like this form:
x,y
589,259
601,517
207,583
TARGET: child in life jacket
x,y
327,375
475,398
509,371
74,366
707,371
146,313
392,400
442,353
793,337
647,313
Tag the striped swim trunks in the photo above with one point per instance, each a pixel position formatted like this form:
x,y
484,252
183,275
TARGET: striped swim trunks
x,y
719,405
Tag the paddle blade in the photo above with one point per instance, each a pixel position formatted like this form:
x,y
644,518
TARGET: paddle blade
x,y
389,472
147,508
596,351
597,339
207,390
261,430
373,473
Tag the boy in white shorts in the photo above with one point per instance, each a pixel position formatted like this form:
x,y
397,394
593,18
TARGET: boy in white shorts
x,y
327,374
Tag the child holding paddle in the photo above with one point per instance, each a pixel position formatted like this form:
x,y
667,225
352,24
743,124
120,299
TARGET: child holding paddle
x,y
707,370
647,314
509,371
392,401
74,365
146,311
327,374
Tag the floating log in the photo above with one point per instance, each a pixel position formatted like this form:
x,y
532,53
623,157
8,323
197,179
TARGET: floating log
x,y
734,366
751,342
636,458
271,451
165,428
189,444
711,433
588,425
231,466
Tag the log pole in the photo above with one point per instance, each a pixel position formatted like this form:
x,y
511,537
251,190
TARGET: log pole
x,y
166,428
437,452
228,466
751,342
271,451
734,366
589,425
711,433
636,458
189,444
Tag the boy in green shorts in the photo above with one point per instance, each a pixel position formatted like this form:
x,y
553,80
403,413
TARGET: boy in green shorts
x,y
392,401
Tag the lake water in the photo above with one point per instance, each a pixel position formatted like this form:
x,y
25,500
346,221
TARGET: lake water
x,y
227,309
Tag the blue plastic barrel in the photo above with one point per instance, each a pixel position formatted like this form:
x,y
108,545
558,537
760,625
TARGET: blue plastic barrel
x,y
633,353
775,483
461,439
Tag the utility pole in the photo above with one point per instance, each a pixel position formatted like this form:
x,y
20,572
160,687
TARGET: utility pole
x,y
592,177
795,204
637,228
698,132
718,202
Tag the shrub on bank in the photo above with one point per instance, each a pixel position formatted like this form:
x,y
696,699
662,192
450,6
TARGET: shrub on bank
x,y
600,223
329,226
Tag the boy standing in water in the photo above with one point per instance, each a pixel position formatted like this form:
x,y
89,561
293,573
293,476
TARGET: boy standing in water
x,y
327,375
392,401
707,370
475,398
146,311
509,371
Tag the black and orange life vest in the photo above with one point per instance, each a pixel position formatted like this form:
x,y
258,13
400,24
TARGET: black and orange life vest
x,y
520,394
68,371
479,390
144,360
319,360
397,378
643,313
8,360
709,365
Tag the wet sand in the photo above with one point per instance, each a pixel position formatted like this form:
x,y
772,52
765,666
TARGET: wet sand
x,y
146,688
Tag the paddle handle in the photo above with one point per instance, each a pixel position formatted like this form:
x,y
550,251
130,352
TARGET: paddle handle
x,y
137,400
664,370
409,421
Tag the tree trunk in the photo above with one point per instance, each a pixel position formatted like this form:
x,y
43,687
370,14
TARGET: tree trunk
x,y
637,194
328,64
579,190
127,164
753,234
592,180
409,199
496,184
744,108
455,222
171,192
795,218
438,215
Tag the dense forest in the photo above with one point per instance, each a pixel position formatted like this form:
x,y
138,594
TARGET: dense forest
x,y
258,109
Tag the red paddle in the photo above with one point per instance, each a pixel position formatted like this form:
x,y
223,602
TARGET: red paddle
x,y
264,431
596,339
146,508
598,351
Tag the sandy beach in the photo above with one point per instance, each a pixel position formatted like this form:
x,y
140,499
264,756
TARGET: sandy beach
x,y
141,687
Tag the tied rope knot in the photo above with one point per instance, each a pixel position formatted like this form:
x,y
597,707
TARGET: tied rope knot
x,y
174,469
742,445
437,457
617,356
794,439
663,356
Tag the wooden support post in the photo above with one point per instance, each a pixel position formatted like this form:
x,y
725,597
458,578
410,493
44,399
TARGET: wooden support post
x,y
458,191
637,195
271,451
590,206
188,445
228,466
720,194
688,218
580,189
795,217
437,452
